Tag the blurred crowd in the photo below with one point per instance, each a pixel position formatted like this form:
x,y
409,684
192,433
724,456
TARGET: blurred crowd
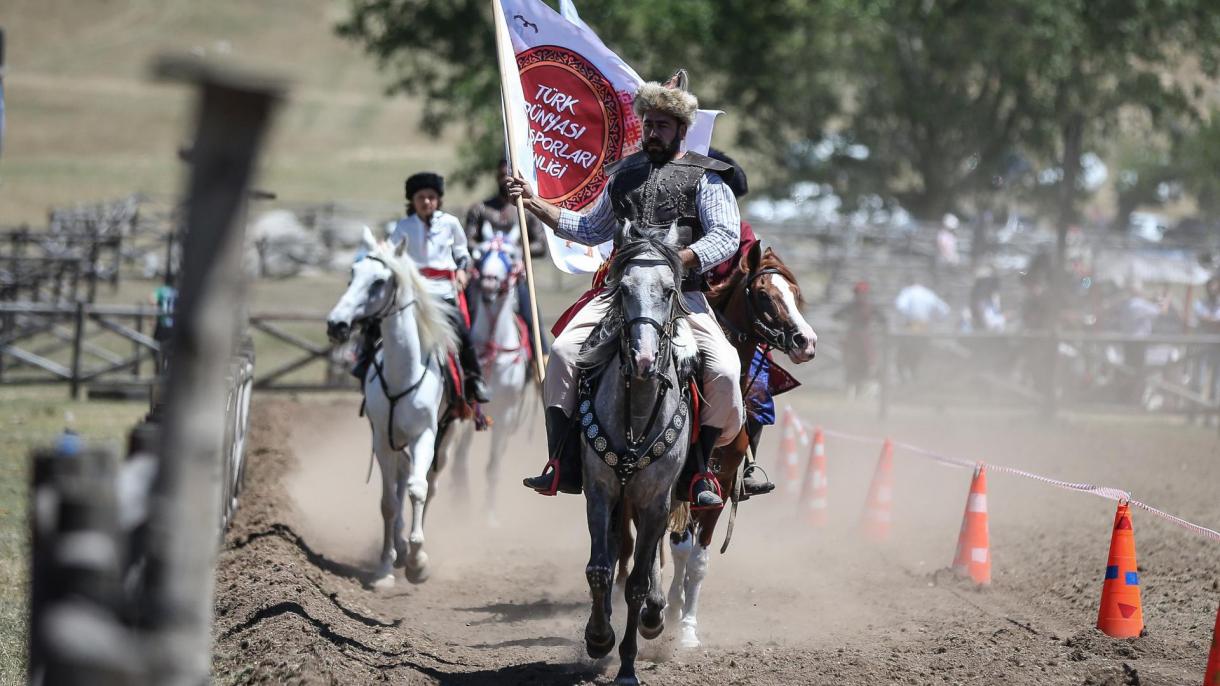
x,y
1108,344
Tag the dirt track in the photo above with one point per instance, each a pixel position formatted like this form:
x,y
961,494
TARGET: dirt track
x,y
785,605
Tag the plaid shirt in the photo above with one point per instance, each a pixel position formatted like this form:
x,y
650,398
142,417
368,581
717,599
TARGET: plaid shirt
x,y
717,212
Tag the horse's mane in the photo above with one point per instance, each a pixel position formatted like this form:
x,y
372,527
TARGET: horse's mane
x,y
768,260
634,244
436,335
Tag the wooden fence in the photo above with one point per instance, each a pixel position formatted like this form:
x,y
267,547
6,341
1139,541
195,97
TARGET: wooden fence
x,y
122,555
1051,372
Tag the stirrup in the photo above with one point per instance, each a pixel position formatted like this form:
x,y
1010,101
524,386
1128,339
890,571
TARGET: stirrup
x,y
553,488
690,492
745,493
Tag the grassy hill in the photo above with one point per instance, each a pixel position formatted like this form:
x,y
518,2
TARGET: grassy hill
x,y
86,122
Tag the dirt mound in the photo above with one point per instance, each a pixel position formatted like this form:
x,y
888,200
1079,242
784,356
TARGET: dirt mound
x,y
786,605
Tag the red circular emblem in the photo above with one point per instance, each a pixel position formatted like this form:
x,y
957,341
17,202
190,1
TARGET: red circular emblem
x,y
575,123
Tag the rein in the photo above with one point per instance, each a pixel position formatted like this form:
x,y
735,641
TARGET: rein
x,y
657,437
780,339
388,311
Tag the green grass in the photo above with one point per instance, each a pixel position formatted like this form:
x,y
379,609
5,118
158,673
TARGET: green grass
x,y
85,121
33,417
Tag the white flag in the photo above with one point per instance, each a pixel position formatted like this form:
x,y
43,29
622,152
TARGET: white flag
x,y
571,111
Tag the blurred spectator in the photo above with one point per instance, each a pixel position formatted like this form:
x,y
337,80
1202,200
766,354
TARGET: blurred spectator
x,y
1207,316
986,313
946,242
859,351
918,308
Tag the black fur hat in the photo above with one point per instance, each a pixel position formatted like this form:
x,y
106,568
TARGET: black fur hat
x,y
422,180
738,183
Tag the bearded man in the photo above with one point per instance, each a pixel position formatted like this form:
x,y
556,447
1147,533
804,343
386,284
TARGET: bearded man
x,y
654,188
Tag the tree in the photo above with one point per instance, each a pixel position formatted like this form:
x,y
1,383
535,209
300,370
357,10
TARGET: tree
x,y
927,102
741,56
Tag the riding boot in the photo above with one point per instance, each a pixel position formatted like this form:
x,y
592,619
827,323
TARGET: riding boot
x,y
475,390
563,447
755,482
368,350
692,482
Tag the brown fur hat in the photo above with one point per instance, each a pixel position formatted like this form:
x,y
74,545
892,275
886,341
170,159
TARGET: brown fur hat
x,y
671,97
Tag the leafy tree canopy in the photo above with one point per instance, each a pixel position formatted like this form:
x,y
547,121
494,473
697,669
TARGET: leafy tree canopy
x,y
927,102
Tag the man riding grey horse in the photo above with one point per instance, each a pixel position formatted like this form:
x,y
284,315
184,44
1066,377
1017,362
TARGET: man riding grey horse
x,y
657,187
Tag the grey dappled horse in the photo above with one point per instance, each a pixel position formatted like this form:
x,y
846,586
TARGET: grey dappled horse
x,y
635,418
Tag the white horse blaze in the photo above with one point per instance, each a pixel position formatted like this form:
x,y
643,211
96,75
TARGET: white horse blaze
x,y
794,314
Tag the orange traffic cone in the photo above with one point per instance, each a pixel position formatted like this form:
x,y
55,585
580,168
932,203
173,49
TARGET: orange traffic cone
x,y
877,510
813,493
1212,677
1120,615
787,459
792,468
973,556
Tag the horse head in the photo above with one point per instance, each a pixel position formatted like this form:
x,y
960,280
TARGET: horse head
x,y
773,300
372,290
498,270
645,278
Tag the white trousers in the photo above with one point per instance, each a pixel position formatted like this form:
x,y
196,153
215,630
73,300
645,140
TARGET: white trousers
x,y
721,367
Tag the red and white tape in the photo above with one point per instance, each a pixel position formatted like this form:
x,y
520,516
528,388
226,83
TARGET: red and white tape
x,y
1107,492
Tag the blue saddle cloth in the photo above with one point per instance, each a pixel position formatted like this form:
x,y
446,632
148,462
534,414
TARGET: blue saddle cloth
x,y
759,401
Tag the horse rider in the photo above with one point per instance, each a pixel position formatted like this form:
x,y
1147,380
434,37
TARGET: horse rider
x,y
656,187
437,244
497,214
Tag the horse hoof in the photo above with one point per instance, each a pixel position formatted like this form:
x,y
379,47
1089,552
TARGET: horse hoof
x,y
690,640
419,574
597,648
626,681
650,633
384,583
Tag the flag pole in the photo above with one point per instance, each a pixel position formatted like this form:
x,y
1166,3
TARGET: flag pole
x,y
503,47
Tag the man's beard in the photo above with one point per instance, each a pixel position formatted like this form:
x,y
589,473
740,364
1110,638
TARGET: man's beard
x,y
659,153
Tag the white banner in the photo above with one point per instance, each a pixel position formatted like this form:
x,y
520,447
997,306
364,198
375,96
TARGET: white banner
x,y
571,111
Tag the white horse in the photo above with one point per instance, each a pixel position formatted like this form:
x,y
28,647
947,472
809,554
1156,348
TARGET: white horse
x,y
404,392
505,357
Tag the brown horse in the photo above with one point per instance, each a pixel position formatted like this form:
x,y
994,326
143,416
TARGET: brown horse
x,y
759,305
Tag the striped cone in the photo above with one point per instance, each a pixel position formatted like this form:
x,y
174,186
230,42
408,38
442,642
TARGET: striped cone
x,y
1120,614
973,556
1212,677
792,468
813,492
787,459
877,509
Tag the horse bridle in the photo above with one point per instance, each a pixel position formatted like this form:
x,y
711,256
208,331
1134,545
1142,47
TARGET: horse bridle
x,y
657,437
509,280
665,334
387,310
782,339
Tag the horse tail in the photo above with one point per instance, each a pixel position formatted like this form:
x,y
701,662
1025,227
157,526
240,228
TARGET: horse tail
x,y
679,516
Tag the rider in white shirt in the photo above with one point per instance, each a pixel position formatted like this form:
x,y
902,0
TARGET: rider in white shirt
x,y
436,242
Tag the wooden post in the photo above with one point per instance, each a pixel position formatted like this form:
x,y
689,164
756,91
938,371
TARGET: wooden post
x,y
93,258
137,350
234,112
503,50
78,337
